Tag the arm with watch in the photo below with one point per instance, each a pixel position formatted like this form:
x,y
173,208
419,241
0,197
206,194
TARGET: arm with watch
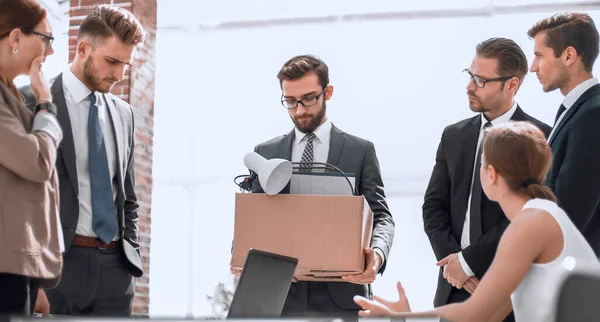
x,y
45,111
45,120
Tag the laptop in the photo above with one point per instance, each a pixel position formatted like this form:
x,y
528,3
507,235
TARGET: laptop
x,y
263,285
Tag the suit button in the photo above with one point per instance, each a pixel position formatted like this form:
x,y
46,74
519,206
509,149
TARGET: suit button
x,y
77,197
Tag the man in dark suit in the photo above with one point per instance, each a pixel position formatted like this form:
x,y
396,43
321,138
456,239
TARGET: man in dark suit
x,y
463,225
566,47
305,88
98,204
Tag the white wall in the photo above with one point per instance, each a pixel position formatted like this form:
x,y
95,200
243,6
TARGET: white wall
x,y
397,83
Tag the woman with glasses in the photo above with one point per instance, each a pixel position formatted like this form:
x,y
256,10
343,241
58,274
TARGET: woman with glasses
x,y
30,234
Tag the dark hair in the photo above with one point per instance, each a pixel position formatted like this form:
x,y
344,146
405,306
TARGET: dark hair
x,y
298,66
510,57
575,30
520,154
104,21
21,14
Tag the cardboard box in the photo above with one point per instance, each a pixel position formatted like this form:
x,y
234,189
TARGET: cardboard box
x,y
326,233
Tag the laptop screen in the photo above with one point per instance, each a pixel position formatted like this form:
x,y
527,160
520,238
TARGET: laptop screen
x,y
263,285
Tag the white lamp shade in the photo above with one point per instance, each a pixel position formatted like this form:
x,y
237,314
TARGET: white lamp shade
x,y
273,174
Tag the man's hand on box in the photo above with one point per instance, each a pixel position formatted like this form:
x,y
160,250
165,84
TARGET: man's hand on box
x,y
374,262
236,271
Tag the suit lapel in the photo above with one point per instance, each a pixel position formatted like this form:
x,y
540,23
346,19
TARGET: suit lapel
x,y
594,90
519,115
117,127
67,146
470,135
284,147
335,146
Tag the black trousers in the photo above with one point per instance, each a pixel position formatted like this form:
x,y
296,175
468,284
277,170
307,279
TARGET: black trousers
x,y
18,294
312,300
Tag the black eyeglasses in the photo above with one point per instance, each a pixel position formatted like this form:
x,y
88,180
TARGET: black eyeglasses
x,y
46,38
480,81
306,101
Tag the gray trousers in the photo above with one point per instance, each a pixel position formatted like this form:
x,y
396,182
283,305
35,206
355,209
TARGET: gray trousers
x,y
94,282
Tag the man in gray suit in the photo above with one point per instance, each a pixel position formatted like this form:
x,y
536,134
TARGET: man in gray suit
x,y
98,204
304,81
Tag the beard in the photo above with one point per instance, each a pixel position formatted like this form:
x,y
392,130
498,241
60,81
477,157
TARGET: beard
x,y
475,103
94,82
314,122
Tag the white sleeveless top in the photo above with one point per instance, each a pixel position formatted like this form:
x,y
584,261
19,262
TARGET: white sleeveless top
x,y
535,297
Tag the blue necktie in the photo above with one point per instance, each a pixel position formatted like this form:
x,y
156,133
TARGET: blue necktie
x,y
104,219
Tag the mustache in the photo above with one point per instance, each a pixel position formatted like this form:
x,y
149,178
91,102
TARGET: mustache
x,y
307,117
472,95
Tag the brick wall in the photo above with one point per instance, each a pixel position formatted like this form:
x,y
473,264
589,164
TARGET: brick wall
x,y
138,89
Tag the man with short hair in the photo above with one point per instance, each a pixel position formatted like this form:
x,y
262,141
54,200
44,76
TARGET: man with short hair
x,y
305,86
566,47
463,225
98,204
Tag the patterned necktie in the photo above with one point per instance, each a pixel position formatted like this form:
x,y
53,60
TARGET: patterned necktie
x,y
308,154
104,219
475,230
561,109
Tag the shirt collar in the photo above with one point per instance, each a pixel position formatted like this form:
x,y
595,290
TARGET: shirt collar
x,y
576,92
321,132
76,88
502,118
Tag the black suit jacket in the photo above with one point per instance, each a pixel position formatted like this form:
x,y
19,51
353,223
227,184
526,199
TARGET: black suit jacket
x,y
122,118
575,173
354,155
446,198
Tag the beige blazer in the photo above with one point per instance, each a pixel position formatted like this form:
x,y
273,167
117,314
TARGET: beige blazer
x,y
30,230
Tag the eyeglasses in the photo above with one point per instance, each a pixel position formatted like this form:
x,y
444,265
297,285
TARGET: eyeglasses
x,y
480,81
46,38
306,101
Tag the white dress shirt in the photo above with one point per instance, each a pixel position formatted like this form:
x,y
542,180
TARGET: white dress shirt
x,y
320,143
572,97
465,240
78,105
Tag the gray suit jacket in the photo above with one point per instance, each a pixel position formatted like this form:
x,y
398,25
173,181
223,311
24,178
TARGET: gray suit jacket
x,y
354,155
121,115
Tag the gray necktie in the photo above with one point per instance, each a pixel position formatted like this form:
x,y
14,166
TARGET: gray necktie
x,y
308,154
